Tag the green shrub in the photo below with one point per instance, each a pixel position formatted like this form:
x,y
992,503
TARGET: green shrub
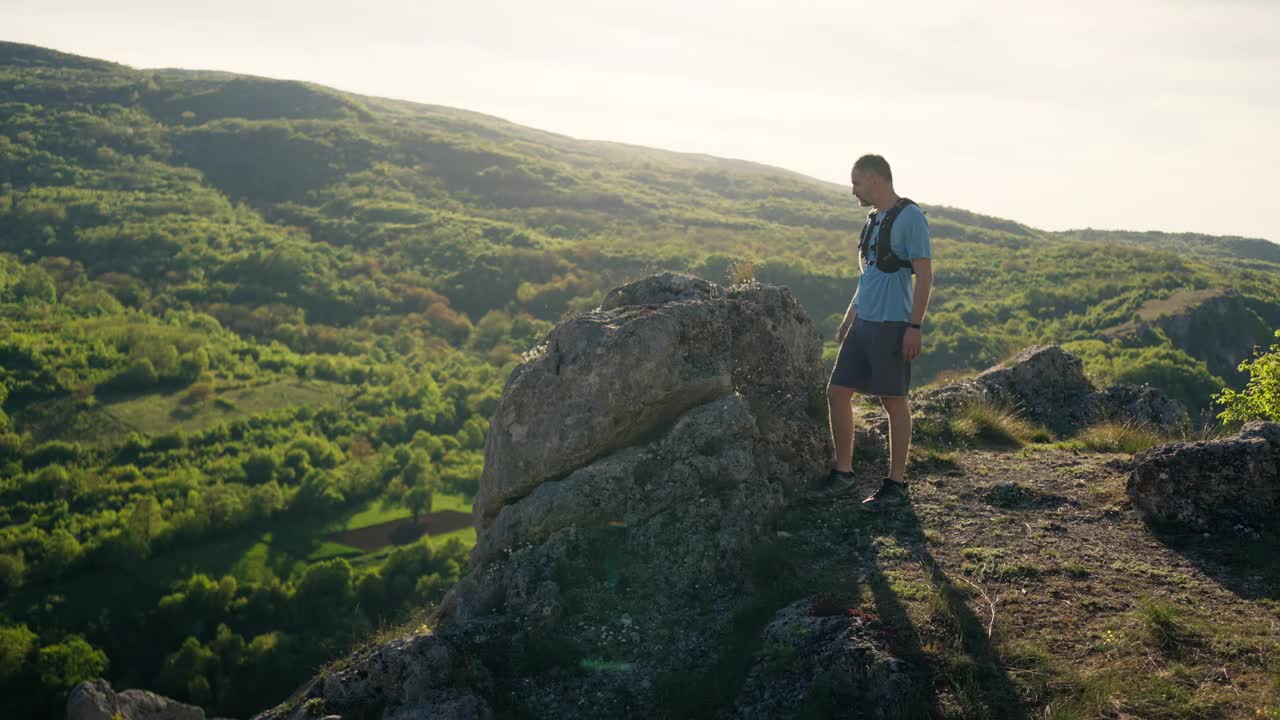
x,y
141,375
1260,399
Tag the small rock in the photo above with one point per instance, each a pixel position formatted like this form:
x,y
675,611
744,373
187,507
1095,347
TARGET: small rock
x,y
95,700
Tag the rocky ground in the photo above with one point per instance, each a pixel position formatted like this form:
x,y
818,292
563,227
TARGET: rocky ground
x,y
1020,583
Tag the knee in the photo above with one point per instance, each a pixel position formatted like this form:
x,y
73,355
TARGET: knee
x,y
895,405
836,394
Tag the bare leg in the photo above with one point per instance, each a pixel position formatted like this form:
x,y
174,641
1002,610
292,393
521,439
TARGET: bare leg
x,y
840,409
899,434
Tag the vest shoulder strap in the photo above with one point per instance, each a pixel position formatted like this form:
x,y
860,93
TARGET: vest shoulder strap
x,y
886,260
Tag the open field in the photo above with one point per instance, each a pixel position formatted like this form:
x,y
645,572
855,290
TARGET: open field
x,y
154,414
402,531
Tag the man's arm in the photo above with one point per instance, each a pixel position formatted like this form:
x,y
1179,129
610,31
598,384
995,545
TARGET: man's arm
x,y
923,268
914,338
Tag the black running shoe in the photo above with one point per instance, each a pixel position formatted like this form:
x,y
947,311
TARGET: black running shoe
x,y
834,482
890,494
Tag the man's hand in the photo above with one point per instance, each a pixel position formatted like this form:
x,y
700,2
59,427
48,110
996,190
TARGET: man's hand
x,y
911,343
844,326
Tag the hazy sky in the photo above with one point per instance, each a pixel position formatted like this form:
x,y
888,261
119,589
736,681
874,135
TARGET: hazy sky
x,y
1129,114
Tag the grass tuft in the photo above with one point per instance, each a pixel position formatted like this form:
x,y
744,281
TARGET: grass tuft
x,y
984,422
1165,626
1120,437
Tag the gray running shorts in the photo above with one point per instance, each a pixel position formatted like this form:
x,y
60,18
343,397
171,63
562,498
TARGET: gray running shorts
x,y
871,360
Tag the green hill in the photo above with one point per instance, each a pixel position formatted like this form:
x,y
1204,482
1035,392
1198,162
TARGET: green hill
x,y
229,303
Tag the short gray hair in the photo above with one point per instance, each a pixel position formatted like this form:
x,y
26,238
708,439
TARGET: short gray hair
x,y
874,164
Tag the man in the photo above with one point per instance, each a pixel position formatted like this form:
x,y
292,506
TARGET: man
x,y
881,332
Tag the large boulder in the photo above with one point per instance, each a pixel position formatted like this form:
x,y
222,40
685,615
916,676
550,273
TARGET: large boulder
x,y
710,452
95,700
1224,482
609,379
631,469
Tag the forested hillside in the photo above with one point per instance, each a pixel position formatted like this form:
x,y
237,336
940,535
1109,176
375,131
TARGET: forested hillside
x,y
240,316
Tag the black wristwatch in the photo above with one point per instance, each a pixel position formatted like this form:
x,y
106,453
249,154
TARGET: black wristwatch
x,y
915,325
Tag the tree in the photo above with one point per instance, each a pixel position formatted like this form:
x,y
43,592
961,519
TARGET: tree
x,y
13,569
192,366
260,467
141,375
419,471
61,550
143,524
419,499
371,594
35,285
186,671
16,646
1260,399
63,665
324,593
51,483
318,490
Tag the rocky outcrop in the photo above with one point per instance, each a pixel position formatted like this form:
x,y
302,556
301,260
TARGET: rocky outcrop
x,y
691,462
1219,327
1045,382
1138,404
1234,480
659,290
1047,385
601,382
97,701
632,466
609,379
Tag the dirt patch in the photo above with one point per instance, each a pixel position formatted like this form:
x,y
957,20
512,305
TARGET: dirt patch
x,y
402,531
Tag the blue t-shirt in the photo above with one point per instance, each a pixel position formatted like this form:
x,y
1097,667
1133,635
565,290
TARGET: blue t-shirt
x,y
885,297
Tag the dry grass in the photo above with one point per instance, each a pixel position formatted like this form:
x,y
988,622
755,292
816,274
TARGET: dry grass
x,y
742,272
990,423
1120,437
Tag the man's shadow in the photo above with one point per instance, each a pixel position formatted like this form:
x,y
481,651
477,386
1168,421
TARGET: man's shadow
x,y
986,682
